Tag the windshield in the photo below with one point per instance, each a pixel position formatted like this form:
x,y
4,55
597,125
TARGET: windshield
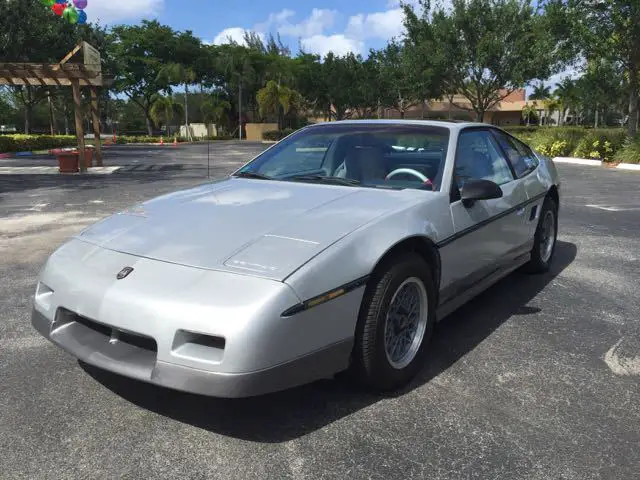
x,y
367,155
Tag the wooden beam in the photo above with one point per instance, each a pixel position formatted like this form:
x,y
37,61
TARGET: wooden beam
x,y
95,113
63,82
77,100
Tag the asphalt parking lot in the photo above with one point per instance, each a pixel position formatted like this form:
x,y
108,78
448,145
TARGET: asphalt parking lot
x,y
537,378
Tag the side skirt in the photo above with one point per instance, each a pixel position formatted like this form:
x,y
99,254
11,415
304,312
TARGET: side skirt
x,y
456,302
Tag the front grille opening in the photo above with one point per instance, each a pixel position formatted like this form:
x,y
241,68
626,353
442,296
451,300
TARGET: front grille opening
x,y
95,326
134,339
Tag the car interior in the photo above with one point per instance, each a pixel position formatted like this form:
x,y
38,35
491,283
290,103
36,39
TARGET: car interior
x,y
372,159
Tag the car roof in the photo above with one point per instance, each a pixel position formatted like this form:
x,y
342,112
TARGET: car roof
x,y
450,124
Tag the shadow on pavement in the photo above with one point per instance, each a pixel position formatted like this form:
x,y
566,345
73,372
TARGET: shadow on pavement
x,y
283,416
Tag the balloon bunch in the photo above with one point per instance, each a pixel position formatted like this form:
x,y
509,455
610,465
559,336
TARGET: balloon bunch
x,y
73,11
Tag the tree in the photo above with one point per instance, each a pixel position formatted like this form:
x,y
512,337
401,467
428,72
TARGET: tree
x,y
277,100
137,54
398,78
214,110
529,111
540,92
483,49
340,79
164,109
179,73
609,29
567,97
30,32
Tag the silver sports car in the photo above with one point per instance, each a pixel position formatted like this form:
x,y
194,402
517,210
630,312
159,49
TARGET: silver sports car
x,y
338,248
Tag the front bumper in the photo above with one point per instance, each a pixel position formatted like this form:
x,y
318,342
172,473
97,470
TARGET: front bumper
x,y
208,332
139,363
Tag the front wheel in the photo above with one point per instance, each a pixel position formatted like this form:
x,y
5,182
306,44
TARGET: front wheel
x,y
395,323
544,244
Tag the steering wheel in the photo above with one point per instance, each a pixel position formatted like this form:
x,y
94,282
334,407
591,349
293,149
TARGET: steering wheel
x,y
409,171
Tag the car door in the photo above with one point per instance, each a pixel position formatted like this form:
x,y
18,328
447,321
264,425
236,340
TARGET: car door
x,y
490,233
524,163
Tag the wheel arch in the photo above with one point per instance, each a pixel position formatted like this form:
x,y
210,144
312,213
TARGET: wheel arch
x,y
419,244
555,195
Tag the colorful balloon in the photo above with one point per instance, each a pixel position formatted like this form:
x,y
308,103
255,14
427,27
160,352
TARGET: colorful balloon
x,y
58,9
82,17
81,4
48,3
61,2
70,14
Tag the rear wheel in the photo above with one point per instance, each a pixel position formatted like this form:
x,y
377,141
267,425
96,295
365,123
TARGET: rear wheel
x,y
544,244
396,321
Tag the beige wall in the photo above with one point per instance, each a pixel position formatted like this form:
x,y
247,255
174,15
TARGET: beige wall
x,y
255,131
199,130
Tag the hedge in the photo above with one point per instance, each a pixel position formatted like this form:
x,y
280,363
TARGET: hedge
x,y
124,139
277,134
28,143
600,144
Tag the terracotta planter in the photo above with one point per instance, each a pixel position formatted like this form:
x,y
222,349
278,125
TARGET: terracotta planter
x,y
67,162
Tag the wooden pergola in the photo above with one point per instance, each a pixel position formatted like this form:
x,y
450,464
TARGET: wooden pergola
x,y
77,74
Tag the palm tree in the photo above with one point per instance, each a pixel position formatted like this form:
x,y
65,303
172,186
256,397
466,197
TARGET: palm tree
x,y
177,73
214,110
164,110
275,99
528,111
566,94
540,92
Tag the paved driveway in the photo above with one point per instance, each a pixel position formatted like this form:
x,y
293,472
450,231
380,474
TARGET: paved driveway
x,y
538,378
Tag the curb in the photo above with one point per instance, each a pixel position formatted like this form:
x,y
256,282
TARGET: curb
x,y
596,163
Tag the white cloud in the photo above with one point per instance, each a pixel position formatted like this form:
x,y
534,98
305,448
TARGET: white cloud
x,y
114,11
338,44
384,25
319,21
236,34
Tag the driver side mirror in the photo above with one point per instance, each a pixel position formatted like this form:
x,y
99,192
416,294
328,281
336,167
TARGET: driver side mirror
x,y
474,190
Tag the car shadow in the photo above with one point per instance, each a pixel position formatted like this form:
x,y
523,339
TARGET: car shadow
x,y
290,414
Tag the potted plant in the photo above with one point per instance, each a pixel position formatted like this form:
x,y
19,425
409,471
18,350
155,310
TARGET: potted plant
x,y
67,160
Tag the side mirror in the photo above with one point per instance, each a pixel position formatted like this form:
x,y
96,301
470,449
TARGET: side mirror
x,y
474,190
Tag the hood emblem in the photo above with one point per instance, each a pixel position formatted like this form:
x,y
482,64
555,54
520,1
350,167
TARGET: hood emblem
x,y
124,273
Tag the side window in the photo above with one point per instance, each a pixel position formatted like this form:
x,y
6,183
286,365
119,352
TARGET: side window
x,y
519,155
478,157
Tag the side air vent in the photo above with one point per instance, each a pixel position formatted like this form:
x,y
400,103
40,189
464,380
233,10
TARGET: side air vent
x,y
198,346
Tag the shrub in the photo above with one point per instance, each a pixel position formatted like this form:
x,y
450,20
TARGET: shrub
x,y
277,134
630,151
600,144
28,143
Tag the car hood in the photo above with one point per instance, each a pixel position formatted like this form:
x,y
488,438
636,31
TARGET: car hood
x,y
256,227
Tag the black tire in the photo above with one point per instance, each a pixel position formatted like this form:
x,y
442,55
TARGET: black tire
x,y
370,364
539,264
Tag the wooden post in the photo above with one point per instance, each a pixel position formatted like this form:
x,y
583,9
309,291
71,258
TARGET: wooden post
x,y
95,111
79,128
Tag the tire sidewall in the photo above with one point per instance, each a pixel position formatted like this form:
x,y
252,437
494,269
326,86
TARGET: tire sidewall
x,y
548,205
405,267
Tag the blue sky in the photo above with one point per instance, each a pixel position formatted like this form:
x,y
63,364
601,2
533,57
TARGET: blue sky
x,y
334,25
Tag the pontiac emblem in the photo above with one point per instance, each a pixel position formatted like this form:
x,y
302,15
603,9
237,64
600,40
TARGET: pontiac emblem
x,y
124,273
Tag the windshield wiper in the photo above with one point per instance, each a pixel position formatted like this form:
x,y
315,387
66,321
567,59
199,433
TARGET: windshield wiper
x,y
325,179
255,175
